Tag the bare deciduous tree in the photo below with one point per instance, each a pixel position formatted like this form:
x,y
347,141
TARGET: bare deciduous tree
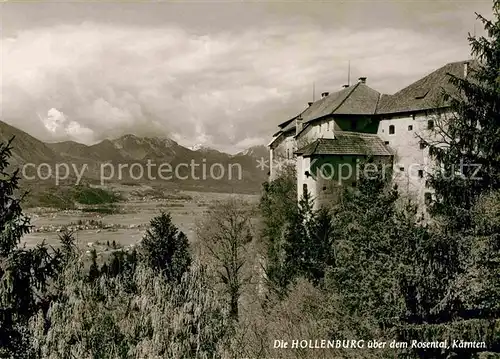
x,y
224,234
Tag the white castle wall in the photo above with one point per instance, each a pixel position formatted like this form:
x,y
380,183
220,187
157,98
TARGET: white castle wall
x,y
282,151
411,162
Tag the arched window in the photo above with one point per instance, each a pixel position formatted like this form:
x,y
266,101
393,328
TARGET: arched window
x,y
391,130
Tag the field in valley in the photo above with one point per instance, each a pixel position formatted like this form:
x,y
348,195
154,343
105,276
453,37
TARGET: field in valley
x,y
129,222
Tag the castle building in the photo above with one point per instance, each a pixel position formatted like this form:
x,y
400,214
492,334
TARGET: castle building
x,y
329,138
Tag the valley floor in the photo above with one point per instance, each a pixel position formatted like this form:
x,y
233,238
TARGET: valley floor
x,y
126,227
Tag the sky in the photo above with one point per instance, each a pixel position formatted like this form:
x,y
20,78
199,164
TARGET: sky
x,y
222,74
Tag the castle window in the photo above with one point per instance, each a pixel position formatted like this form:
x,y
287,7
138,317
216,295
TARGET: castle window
x,y
391,130
386,142
430,124
287,154
304,189
324,188
421,173
428,198
401,169
422,145
410,128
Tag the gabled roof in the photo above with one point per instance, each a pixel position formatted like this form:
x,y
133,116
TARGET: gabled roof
x,y
283,124
426,93
358,99
274,139
290,126
291,122
347,143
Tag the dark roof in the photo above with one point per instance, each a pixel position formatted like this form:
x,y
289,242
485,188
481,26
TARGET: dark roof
x,y
347,143
291,122
290,127
425,93
358,99
283,124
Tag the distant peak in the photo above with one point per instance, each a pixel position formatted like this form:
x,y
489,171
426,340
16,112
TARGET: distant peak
x,y
142,139
202,148
128,136
197,147
255,151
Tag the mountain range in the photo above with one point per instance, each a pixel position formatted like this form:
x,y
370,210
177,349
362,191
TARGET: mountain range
x,y
130,149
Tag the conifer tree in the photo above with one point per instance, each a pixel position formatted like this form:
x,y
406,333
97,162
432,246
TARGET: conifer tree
x,y
297,248
94,269
165,248
470,142
463,303
278,207
24,273
366,241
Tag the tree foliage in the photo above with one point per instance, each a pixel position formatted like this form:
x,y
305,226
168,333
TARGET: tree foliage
x,y
164,248
278,207
308,243
468,152
25,274
225,233
465,300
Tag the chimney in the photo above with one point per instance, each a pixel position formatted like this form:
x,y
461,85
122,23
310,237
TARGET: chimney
x,y
362,80
309,103
298,125
466,69
324,94
345,86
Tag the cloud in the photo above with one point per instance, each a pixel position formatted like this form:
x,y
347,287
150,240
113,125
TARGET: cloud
x,y
222,89
54,121
62,129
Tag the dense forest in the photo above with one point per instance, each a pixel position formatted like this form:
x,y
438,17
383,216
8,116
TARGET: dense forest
x,y
366,267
